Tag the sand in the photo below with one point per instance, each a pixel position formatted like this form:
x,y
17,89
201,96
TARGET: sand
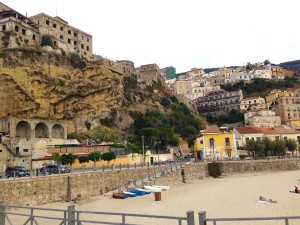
x,y
229,196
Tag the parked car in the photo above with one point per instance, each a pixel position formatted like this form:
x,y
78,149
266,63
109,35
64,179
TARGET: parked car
x,y
57,168
17,171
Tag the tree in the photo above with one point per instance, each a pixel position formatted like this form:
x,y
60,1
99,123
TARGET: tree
x,y
55,156
269,146
68,159
83,159
267,62
291,145
280,147
46,41
165,102
94,156
108,156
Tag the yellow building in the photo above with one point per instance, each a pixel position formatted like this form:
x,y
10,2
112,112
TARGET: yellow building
x,y
215,144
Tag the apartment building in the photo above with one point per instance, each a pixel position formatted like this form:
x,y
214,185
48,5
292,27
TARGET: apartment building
x,y
261,118
65,37
219,100
253,103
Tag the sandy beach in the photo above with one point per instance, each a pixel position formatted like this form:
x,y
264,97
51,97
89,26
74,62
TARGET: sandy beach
x,y
228,196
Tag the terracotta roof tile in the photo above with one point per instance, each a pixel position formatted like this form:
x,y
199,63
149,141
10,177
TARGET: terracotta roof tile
x,y
212,129
248,130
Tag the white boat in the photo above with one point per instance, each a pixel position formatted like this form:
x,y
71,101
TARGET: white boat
x,y
164,188
145,190
151,188
130,194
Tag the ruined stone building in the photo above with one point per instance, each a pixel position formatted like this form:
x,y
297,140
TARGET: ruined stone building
x,y
17,30
149,73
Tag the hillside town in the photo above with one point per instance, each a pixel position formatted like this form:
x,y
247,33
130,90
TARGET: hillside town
x,y
31,142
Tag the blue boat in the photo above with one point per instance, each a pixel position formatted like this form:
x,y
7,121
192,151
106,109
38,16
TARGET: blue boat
x,y
139,193
130,194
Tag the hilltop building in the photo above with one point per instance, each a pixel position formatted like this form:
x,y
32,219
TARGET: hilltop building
x,y
168,73
219,100
261,118
253,103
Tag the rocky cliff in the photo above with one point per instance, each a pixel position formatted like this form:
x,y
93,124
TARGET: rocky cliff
x,y
37,84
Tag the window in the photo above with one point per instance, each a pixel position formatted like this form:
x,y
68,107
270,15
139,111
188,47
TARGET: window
x,y
247,140
201,142
61,28
227,141
69,32
87,40
17,28
285,138
298,139
3,27
54,25
211,142
33,37
47,22
23,31
277,138
61,37
69,40
75,34
25,150
258,138
82,46
75,42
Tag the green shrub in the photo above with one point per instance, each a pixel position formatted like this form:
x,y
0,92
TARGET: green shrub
x,y
46,41
215,169
76,61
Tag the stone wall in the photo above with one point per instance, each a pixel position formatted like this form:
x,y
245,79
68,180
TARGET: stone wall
x,y
41,190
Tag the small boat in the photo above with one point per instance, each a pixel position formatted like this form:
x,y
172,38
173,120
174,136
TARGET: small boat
x,y
144,190
119,195
151,188
164,188
130,194
139,193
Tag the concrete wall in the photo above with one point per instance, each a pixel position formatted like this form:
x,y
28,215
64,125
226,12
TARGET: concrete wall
x,y
35,191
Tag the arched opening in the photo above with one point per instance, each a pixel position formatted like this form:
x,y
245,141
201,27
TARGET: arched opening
x,y
58,131
23,130
41,130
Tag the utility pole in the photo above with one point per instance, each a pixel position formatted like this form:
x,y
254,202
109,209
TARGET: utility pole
x,y
143,149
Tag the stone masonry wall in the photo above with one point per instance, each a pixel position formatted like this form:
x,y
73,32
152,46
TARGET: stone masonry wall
x,y
41,190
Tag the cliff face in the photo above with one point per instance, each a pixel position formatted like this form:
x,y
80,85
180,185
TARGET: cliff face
x,y
37,84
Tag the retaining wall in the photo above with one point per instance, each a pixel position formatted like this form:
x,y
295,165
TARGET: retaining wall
x,y
41,190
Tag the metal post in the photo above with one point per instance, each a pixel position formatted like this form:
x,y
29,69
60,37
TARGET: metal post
x,y
31,217
202,218
190,217
71,215
143,149
2,213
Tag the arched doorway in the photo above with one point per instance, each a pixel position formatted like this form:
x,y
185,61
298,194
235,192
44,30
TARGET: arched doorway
x,y
23,130
58,131
41,130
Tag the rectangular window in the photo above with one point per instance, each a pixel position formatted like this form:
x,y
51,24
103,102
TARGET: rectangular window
x,y
25,150
75,34
227,141
211,142
54,25
61,28
75,43
277,137
17,28
23,31
47,22
33,37
247,140
61,37
3,27
69,40
87,48
88,40
285,138
69,32
258,138
201,142
82,46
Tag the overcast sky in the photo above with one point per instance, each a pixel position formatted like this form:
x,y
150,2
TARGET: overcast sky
x,y
182,33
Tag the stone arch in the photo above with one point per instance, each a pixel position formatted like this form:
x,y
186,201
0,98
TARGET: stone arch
x,y
58,131
41,130
23,130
